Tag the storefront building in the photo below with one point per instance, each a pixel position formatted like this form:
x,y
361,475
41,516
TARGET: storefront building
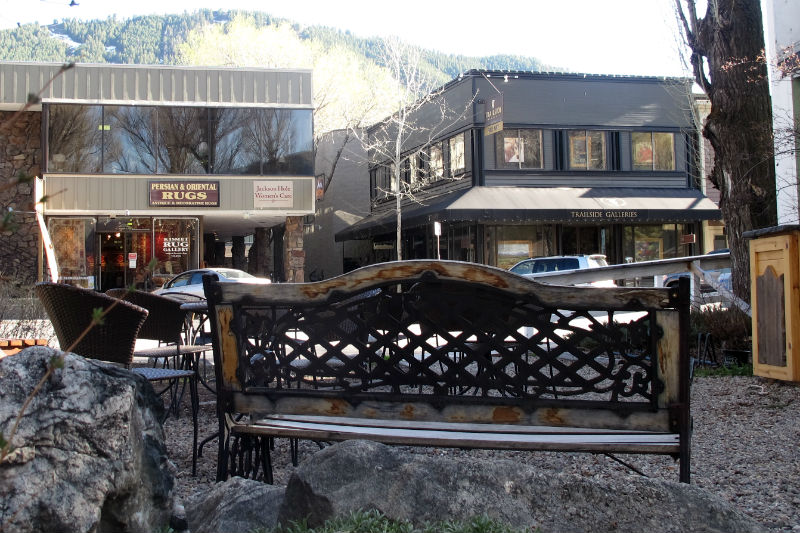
x,y
142,163
545,164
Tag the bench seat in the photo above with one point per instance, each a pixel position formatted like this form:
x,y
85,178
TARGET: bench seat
x,y
455,435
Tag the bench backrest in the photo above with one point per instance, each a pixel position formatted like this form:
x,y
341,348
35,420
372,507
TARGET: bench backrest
x,y
452,341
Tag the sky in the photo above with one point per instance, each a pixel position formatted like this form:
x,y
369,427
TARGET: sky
x,y
635,37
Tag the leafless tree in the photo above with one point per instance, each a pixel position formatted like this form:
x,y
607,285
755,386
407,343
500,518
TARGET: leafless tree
x,y
401,143
727,60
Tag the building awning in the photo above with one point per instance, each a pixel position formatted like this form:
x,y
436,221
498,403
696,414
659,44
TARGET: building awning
x,y
599,205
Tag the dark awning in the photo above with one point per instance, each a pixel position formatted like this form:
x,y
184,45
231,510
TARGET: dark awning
x,y
601,205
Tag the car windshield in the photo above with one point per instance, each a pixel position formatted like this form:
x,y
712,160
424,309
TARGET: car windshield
x,y
234,274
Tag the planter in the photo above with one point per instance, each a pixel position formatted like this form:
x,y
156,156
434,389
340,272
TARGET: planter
x,y
12,346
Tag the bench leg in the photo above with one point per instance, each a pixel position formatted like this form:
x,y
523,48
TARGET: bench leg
x,y
223,451
248,456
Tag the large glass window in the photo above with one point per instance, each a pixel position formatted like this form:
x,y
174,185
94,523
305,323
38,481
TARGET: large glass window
x,y
456,145
75,139
653,150
180,140
654,241
508,245
519,148
176,249
587,150
131,140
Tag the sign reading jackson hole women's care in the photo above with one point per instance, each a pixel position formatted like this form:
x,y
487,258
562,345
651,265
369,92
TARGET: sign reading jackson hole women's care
x,y
273,194
184,194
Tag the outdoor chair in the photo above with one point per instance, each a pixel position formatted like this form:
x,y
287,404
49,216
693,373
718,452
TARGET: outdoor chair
x,y
167,324
70,310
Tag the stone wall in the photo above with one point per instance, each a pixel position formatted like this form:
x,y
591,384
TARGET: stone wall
x,y
20,156
294,255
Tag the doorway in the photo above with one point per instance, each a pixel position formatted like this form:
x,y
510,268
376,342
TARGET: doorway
x,y
124,256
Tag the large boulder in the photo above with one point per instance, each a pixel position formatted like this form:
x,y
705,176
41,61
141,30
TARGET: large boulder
x,y
365,475
235,506
90,453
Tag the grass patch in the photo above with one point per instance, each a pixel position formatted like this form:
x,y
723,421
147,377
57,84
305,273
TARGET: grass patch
x,y
374,522
723,371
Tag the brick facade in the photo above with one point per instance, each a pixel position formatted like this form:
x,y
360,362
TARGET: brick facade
x,y
20,156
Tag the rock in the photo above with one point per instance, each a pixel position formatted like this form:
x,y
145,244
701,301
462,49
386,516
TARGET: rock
x,y
235,506
365,475
90,451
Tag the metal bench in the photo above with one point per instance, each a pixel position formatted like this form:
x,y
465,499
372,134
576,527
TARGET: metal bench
x,y
445,353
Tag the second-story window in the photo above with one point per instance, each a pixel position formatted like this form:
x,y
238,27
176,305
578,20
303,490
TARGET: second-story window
x,y
653,150
456,145
587,150
519,148
436,163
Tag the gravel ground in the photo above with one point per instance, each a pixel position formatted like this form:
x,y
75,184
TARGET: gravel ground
x,y
745,449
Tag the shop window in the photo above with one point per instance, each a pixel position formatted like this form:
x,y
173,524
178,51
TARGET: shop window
x,y
507,245
648,242
74,248
456,146
587,150
519,148
653,150
176,248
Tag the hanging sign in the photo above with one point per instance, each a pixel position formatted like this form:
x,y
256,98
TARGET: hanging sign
x,y
494,115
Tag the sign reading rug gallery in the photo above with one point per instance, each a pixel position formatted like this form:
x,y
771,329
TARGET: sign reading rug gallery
x,y
272,194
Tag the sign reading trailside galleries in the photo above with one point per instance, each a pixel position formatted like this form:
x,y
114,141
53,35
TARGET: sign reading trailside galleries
x,y
269,194
184,194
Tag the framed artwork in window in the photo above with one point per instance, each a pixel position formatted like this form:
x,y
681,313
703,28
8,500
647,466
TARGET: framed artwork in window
x,y
577,151
649,249
509,253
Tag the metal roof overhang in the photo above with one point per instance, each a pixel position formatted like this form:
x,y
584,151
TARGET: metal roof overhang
x,y
601,205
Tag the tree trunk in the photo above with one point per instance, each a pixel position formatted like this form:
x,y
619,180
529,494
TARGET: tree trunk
x,y
731,39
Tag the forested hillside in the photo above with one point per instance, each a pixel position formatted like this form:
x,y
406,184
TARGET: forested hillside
x,y
156,40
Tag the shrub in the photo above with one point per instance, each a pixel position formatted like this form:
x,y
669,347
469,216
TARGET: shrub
x,y
716,329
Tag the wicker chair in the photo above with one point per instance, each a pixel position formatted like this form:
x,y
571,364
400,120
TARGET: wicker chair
x,y
166,324
70,310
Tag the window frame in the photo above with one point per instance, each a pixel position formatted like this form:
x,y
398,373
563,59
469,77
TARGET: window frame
x,y
453,142
653,152
587,150
500,143
435,172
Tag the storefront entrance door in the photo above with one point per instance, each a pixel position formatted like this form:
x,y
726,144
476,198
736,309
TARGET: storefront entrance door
x,y
124,256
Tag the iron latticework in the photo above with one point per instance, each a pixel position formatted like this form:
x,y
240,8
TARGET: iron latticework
x,y
446,337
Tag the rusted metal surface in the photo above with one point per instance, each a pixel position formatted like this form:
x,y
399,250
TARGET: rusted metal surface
x,y
449,342
385,274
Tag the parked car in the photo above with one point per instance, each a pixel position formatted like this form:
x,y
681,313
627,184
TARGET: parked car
x,y
722,275
191,281
537,265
